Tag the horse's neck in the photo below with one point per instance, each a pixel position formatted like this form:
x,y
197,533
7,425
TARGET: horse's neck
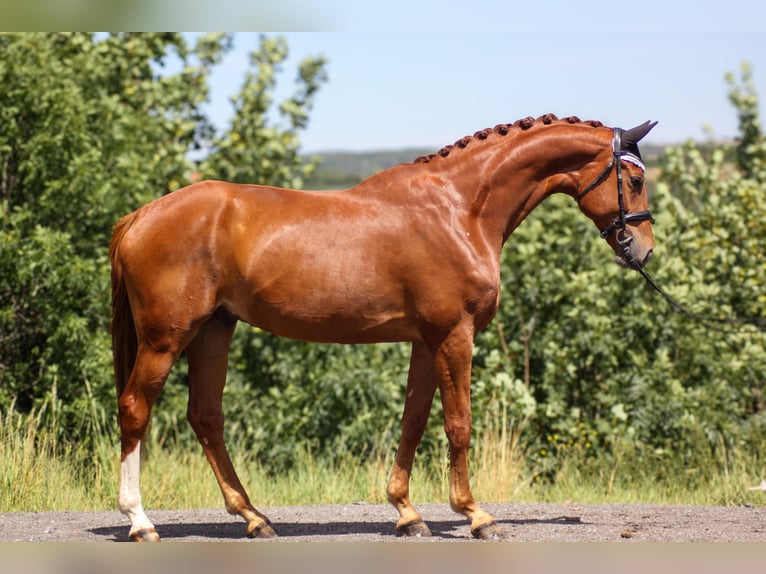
x,y
517,173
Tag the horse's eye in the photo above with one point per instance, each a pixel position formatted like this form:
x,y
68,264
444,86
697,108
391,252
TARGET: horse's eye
x,y
637,182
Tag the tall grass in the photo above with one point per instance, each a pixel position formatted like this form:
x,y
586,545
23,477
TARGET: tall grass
x,y
39,471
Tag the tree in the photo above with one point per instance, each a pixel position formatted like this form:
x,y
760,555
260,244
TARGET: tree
x,y
751,146
254,150
88,130
92,127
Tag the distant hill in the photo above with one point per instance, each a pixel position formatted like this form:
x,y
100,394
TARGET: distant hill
x,y
340,170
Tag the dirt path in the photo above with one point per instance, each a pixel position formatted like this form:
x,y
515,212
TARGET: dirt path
x,y
373,522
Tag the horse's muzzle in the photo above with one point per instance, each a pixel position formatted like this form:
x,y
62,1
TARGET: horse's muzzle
x,y
630,260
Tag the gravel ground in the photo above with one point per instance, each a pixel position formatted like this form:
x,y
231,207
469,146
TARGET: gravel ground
x,y
375,523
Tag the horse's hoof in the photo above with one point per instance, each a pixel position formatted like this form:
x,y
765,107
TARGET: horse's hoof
x,y
488,531
145,535
415,529
263,530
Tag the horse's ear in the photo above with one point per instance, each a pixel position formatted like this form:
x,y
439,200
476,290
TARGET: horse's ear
x,y
634,135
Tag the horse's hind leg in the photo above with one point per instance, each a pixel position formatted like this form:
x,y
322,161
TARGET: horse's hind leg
x,y
208,355
135,406
421,385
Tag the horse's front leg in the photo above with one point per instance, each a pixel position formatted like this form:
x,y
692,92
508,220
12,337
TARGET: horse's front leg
x,y
421,385
452,364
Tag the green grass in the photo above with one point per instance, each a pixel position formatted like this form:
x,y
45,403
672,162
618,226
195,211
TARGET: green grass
x,y
39,472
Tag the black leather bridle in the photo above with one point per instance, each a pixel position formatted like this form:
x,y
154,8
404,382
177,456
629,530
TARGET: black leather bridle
x,y
620,222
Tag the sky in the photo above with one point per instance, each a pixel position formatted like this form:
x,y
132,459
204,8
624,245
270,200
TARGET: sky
x,y
397,83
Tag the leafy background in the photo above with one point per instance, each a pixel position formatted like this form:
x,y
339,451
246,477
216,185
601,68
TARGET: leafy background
x,y
583,359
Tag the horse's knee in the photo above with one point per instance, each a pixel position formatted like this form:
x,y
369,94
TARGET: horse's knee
x,y
208,426
458,433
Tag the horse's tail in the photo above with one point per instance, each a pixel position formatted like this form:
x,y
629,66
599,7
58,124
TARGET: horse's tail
x,y
124,340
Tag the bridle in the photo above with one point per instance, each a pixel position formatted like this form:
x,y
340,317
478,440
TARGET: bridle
x,y
620,222
624,240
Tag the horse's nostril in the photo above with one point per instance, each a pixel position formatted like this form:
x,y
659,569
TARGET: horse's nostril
x,y
647,257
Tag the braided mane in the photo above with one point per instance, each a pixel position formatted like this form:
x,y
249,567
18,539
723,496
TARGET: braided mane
x,y
502,130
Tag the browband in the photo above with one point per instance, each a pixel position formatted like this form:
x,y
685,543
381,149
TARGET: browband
x,y
634,159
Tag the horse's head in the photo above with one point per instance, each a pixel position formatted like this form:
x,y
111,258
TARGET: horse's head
x,y
617,202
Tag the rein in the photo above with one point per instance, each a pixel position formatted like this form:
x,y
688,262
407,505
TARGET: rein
x,y
620,223
711,322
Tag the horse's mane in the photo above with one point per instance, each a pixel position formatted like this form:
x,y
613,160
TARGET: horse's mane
x,y
503,130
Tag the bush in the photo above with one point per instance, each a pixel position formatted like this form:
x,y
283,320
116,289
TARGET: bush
x,y
608,359
583,358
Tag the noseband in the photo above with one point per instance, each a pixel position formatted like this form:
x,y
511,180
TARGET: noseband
x,y
621,221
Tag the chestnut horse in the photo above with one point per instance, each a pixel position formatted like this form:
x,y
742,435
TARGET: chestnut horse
x,y
410,254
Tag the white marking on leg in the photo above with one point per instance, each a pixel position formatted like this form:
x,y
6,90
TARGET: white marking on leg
x,y
130,492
